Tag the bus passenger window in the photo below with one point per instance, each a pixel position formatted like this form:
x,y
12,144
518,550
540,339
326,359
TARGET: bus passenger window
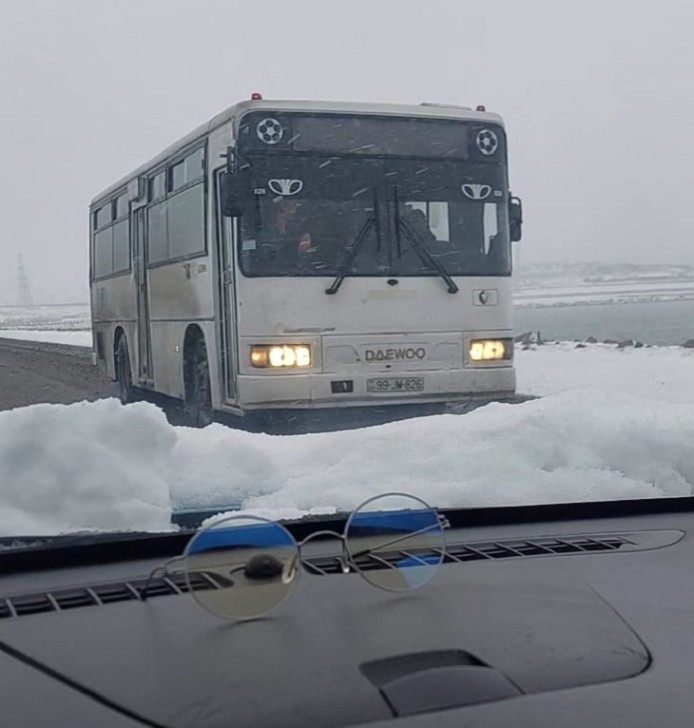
x,y
195,165
103,252
121,246
121,206
178,176
103,216
157,188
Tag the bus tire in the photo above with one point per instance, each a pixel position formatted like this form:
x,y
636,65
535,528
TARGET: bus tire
x,y
124,376
198,397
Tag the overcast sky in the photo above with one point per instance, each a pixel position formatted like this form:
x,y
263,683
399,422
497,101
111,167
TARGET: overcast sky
x,y
598,98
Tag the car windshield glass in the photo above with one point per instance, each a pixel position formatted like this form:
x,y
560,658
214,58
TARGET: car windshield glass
x,y
449,255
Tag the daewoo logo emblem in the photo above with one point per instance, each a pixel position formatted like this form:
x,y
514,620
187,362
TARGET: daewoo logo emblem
x,y
476,192
286,187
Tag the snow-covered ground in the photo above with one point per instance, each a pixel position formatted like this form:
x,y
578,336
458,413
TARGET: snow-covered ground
x,y
595,283
74,338
604,293
69,324
660,373
69,317
611,424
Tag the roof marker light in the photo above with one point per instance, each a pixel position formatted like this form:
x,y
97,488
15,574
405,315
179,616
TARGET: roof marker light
x,y
255,96
481,108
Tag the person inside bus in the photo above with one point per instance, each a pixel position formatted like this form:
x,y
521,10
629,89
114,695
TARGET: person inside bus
x,y
291,229
288,240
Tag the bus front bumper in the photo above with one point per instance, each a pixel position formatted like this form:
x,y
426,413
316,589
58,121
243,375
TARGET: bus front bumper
x,y
315,390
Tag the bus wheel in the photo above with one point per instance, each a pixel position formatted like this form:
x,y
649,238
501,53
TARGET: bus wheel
x,y
126,391
198,402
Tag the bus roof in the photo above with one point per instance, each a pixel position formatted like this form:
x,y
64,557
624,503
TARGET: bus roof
x,y
424,110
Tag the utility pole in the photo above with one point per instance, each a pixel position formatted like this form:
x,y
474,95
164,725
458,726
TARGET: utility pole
x,y
23,289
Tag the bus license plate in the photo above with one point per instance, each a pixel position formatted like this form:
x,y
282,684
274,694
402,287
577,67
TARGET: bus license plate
x,y
401,384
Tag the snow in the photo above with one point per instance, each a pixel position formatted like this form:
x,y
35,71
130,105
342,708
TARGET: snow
x,y
103,466
85,466
74,338
548,285
67,317
67,324
663,373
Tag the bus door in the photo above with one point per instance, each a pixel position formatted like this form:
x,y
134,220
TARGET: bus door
x,y
145,374
226,318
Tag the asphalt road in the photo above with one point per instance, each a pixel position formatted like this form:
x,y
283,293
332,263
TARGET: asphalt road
x,y
32,372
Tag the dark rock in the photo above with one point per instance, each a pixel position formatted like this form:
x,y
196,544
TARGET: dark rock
x,y
525,338
688,344
610,341
591,340
638,345
581,346
624,344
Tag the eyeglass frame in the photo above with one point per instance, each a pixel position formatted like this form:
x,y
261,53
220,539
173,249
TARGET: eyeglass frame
x,y
346,558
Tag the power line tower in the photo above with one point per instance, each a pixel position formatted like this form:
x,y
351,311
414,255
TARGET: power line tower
x,y
23,289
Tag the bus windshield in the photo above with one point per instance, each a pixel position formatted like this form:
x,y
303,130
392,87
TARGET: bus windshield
x,y
302,214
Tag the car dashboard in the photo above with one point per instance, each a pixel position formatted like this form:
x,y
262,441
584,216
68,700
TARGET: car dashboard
x,y
553,615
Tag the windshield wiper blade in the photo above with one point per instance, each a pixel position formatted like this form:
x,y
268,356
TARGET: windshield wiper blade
x,y
350,254
425,256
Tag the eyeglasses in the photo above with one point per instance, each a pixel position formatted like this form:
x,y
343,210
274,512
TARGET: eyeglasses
x,y
244,567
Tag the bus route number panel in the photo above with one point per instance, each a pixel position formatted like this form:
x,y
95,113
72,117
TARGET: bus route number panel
x,y
395,384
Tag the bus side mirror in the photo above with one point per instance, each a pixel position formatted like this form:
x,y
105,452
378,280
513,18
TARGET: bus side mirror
x,y
515,218
231,194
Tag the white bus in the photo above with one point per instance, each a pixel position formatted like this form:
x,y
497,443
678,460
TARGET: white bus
x,y
297,255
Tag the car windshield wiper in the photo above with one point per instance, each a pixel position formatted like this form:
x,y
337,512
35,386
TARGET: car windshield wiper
x,y
350,254
425,255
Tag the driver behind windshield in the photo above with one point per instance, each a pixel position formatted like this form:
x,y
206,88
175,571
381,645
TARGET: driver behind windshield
x,y
293,236
290,231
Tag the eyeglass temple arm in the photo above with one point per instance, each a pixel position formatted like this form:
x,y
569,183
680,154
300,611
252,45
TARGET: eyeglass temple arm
x,y
443,523
158,571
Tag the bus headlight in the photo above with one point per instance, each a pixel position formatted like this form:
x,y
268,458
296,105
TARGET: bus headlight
x,y
286,355
491,349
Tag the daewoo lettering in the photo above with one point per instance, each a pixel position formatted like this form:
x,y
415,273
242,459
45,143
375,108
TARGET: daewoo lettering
x,y
409,353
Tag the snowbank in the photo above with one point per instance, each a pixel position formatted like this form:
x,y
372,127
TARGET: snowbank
x,y
570,447
103,466
84,466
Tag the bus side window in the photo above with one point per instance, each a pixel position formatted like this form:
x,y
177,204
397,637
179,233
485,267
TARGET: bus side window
x,y
195,165
157,187
177,176
190,169
121,207
103,216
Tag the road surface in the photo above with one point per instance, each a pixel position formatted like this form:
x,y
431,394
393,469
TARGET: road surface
x,y
33,372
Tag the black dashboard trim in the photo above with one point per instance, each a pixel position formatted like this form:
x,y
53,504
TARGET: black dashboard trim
x,y
69,552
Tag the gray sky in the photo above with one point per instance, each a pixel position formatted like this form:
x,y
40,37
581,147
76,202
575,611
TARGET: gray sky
x,y
598,98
